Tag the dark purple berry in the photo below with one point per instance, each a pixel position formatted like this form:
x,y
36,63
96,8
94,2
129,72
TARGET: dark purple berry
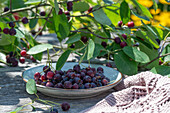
x,y
87,85
87,79
53,110
108,64
6,9
67,13
160,62
0,29
77,80
120,23
12,32
100,69
76,68
44,83
105,82
50,75
46,69
158,41
24,20
6,30
42,13
67,85
93,85
117,40
37,76
60,11
90,73
69,6
104,44
57,77
11,24
33,59
72,46
84,39
59,85
124,36
33,32
49,84
38,81
75,86
123,44
15,63
65,106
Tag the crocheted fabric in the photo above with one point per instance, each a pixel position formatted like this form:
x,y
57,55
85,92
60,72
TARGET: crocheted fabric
x,y
142,93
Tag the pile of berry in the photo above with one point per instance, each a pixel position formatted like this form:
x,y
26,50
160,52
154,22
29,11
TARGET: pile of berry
x,y
75,78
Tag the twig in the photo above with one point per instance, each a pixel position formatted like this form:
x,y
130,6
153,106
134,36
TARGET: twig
x,y
10,8
43,25
155,59
161,49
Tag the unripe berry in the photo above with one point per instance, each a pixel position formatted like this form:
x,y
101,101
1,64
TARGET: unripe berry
x,y
90,9
24,20
131,24
120,23
22,60
23,53
123,44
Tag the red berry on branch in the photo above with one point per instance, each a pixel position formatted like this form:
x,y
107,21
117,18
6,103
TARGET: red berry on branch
x,y
131,24
23,53
124,36
123,44
120,23
22,60
90,9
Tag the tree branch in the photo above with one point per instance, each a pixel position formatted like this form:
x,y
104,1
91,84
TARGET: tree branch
x,y
155,59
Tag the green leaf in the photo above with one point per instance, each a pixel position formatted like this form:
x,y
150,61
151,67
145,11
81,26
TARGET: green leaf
x,y
98,48
63,58
39,48
91,47
124,12
33,2
33,22
80,6
56,6
38,56
136,55
142,17
108,1
62,28
17,4
31,86
20,33
73,39
162,70
143,9
101,17
113,13
124,64
155,5
165,27
29,38
16,110
152,54
6,40
2,57
168,1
